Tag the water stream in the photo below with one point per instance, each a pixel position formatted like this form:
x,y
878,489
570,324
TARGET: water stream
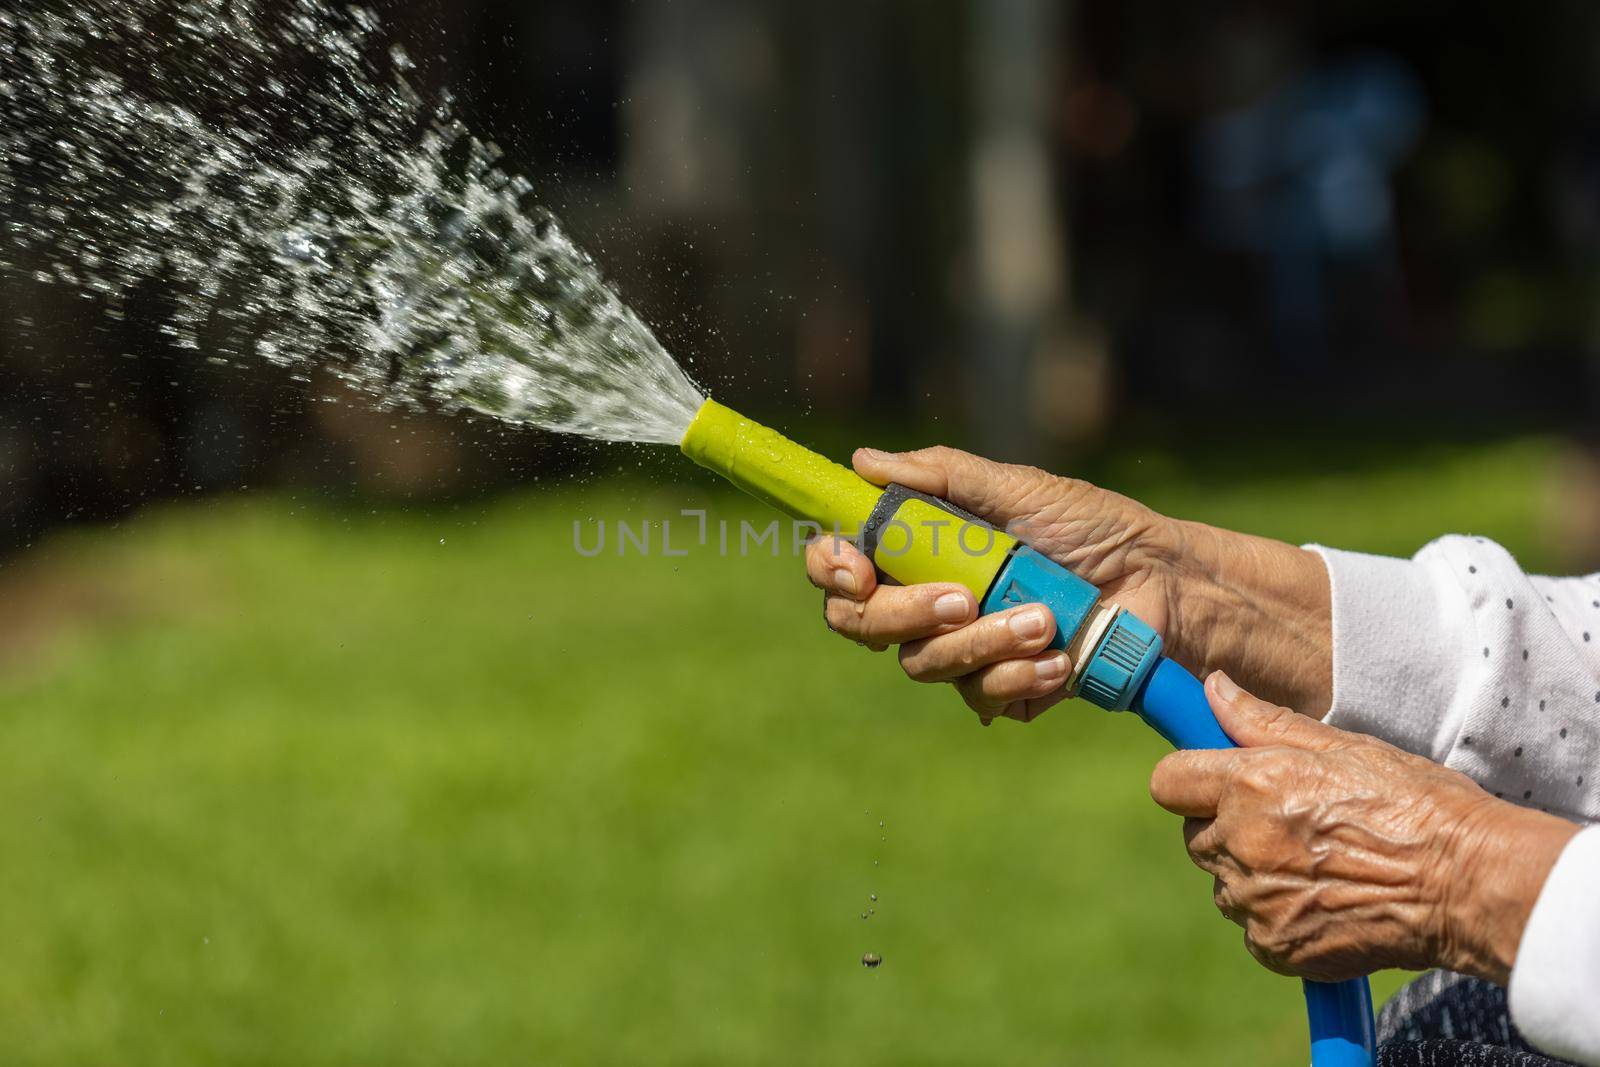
x,y
271,168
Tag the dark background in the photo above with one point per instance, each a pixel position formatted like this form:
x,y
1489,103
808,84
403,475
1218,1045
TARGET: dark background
x,y
1035,228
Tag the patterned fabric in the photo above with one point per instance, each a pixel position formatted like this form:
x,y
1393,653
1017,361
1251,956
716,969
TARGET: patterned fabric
x,y
1450,1020
1459,656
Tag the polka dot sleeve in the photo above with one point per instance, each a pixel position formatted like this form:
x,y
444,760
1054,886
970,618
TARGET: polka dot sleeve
x,y
1458,655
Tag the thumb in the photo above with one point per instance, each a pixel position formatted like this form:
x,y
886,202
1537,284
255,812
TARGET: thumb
x,y
1253,722
998,492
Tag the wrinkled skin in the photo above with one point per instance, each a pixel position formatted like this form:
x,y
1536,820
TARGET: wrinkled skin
x,y
997,663
1255,607
1340,854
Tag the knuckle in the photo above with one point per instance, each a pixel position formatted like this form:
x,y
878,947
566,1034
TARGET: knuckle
x,y
1032,709
959,652
978,700
1012,680
1270,941
1251,850
916,662
1020,710
1279,719
1258,952
1262,772
998,638
975,646
843,616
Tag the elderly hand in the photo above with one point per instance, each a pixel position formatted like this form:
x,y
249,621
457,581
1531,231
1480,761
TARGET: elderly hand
x,y
1258,607
1341,855
999,663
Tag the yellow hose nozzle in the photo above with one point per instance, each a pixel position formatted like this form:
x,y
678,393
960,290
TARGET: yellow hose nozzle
x,y
770,467
912,538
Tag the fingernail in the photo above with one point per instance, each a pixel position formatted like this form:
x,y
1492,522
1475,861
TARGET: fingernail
x,y
1226,688
1028,624
1051,670
952,607
876,453
844,580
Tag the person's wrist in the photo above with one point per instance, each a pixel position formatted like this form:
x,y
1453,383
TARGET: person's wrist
x,y
1185,555
1257,608
1489,876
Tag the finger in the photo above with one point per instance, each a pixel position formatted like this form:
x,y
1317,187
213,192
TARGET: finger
x,y
1203,843
1252,722
834,565
998,492
1192,783
1024,710
1199,836
1223,898
895,614
993,689
1016,634
1263,957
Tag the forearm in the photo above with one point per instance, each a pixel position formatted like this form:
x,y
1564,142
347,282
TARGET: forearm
x,y
1494,869
1258,609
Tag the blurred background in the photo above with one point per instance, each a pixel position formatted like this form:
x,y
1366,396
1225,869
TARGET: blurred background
x,y
320,744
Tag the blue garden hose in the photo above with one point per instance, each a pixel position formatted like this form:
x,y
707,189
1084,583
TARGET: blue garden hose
x,y
1174,703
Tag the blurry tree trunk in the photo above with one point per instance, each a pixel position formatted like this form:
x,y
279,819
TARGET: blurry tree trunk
x,y
1020,269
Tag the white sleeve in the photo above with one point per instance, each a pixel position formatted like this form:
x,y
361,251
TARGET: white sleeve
x,y
1555,985
1458,655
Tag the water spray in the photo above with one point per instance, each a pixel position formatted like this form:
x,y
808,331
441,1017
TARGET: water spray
x,y
1117,661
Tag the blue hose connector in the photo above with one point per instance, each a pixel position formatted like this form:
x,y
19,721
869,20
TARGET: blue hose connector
x,y
1116,660
1120,663
1029,577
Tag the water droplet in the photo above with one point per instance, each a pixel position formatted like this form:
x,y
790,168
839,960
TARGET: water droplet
x,y
872,897
871,959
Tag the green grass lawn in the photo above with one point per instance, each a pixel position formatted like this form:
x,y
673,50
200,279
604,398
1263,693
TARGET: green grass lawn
x,y
329,786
